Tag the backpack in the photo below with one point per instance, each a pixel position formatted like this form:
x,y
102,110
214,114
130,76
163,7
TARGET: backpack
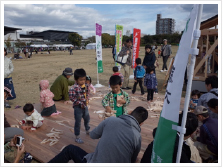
x,y
140,72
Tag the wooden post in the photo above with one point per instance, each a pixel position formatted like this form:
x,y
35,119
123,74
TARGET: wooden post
x,y
206,62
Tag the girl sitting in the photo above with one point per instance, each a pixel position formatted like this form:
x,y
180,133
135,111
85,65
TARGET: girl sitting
x,y
46,98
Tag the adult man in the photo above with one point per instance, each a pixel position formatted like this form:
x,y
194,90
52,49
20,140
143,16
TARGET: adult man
x,y
60,86
211,84
120,141
207,143
126,50
165,53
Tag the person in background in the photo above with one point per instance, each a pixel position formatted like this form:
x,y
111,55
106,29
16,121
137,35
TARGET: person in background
x,y
91,87
211,84
165,53
207,142
150,82
117,72
139,74
8,69
213,105
126,50
60,86
149,58
113,52
195,95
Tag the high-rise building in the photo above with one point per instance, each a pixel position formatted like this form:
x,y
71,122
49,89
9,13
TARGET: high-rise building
x,y
164,25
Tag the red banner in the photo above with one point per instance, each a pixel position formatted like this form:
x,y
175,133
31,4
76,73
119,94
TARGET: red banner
x,y
136,45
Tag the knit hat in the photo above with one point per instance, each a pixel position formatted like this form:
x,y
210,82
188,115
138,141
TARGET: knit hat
x,y
8,89
200,110
148,46
68,71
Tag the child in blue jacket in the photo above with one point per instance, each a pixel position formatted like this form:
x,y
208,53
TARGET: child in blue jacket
x,y
150,82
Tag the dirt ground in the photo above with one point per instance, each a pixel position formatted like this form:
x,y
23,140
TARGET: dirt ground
x,y
28,72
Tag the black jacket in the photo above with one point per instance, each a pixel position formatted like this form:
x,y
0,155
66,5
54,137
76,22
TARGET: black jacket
x,y
149,59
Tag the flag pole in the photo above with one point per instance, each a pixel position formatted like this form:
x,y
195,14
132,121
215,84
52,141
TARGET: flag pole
x,y
194,51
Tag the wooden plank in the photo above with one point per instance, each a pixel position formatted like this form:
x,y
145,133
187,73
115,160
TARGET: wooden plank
x,y
44,152
205,57
210,32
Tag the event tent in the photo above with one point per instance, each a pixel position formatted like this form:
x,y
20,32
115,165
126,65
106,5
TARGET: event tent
x,y
90,46
62,45
38,45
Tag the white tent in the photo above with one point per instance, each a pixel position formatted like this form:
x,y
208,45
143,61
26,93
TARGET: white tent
x,y
90,46
38,45
62,45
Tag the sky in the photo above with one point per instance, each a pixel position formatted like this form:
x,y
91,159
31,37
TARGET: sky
x,y
81,18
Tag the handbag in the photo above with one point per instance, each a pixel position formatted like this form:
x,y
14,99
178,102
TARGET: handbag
x,y
122,59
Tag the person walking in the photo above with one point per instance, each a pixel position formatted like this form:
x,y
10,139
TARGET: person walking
x,y
126,50
165,53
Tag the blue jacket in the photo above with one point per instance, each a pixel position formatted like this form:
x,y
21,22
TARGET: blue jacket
x,y
150,81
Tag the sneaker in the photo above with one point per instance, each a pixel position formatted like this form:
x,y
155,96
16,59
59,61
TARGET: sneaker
x,y
165,70
79,140
53,114
161,70
7,105
142,94
123,88
128,88
133,92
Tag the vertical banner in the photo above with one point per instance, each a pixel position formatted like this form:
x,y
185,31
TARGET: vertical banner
x,y
118,41
164,142
136,45
99,47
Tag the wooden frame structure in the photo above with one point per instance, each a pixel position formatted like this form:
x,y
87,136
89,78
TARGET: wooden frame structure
x,y
204,42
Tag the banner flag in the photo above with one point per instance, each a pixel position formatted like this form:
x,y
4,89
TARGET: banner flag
x,y
136,45
118,42
164,141
99,47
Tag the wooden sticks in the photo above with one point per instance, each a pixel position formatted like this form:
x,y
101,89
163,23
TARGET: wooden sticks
x,y
53,137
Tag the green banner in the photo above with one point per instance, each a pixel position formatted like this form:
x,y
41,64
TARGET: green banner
x,y
118,41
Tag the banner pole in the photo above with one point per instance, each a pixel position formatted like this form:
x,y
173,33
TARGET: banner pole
x,y
96,55
190,78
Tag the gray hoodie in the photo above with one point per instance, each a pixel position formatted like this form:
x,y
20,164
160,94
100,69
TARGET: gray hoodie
x,y
120,140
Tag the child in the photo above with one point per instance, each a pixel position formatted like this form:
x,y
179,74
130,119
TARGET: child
x,y
79,94
139,74
32,114
46,98
116,72
7,93
150,82
195,95
91,87
213,105
110,102
159,53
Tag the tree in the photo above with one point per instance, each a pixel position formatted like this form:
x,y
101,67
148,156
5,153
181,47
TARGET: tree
x,y
75,39
20,44
8,42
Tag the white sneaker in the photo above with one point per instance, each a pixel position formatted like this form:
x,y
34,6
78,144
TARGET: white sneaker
x,y
161,70
165,70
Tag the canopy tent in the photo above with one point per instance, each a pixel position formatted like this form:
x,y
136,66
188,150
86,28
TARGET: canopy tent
x,y
62,45
39,45
90,46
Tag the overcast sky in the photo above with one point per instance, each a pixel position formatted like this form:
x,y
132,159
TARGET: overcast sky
x,y
81,18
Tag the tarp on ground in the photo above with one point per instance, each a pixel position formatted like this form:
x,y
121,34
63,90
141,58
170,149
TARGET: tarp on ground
x,y
39,45
90,46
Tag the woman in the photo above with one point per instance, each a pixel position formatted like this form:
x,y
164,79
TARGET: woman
x,y
8,69
149,58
